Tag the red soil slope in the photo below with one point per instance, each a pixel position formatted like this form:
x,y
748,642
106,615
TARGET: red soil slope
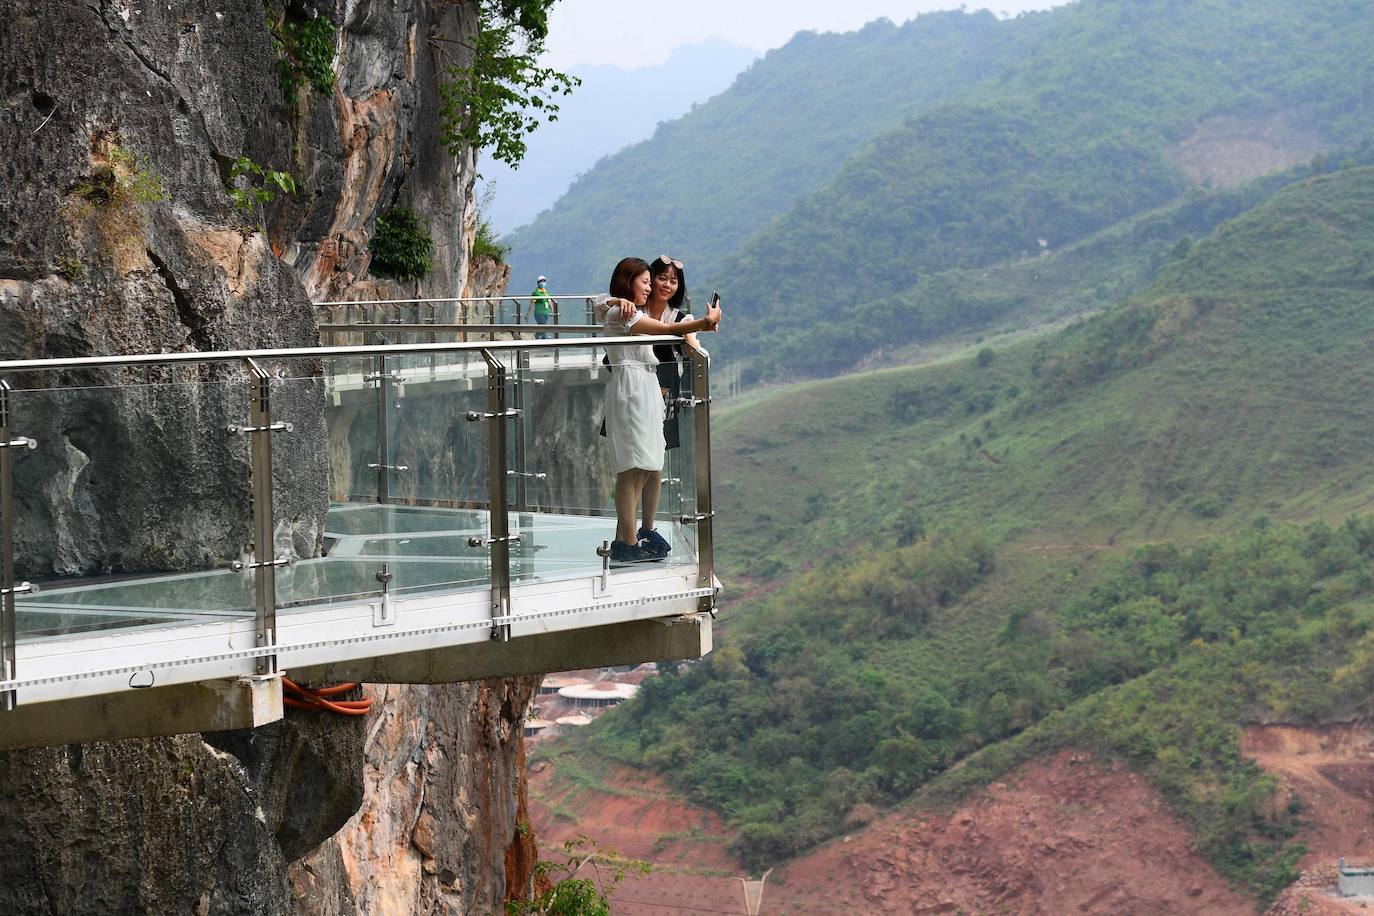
x,y
692,873
1062,835
1068,834
1332,770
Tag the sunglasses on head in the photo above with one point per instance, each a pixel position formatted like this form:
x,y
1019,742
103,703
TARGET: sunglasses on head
x,y
664,259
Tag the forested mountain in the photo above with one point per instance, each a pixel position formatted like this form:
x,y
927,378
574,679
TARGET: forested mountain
x,y
613,108
1103,117
1133,535
706,182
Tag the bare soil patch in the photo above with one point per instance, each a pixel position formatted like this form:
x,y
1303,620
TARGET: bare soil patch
x,y
1063,835
1228,151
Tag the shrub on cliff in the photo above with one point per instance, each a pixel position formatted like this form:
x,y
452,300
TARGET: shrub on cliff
x,y
401,247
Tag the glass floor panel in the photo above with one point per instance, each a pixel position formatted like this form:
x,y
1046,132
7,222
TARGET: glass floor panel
x,y
423,549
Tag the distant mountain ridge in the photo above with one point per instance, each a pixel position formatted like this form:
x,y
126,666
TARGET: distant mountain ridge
x,y
613,108
705,182
1076,134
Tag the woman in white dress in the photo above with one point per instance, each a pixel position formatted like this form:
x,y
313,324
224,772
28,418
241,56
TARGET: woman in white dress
x,y
634,406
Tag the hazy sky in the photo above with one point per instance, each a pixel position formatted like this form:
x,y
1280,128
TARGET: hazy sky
x,y
635,33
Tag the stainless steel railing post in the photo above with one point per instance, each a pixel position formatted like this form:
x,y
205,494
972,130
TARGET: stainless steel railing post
x,y
265,561
521,474
704,516
498,537
9,624
383,431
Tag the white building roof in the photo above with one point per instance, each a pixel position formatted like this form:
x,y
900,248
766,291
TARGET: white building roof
x,y
604,690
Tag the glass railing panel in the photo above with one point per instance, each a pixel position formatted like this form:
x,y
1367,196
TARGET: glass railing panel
x,y
564,475
136,502
441,457
679,495
403,498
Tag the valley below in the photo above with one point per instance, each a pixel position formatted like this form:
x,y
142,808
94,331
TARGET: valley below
x,y
1074,832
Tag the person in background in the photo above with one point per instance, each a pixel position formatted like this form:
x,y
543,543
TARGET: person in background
x,y
542,306
634,405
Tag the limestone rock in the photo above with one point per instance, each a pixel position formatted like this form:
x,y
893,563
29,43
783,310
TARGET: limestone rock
x,y
120,126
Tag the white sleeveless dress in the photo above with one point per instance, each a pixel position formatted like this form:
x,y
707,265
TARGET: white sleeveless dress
x,y
633,405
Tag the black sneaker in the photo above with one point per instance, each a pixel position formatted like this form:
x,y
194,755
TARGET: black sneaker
x,y
656,543
628,553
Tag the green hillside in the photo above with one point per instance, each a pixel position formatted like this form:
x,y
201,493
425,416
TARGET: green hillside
x,y
1132,535
707,181
1076,134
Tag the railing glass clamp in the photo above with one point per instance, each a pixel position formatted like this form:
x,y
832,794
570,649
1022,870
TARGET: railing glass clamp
x,y
693,519
23,588
604,552
388,467
239,565
508,413
395,378
20,442
691,402
530,475
275,427
479,541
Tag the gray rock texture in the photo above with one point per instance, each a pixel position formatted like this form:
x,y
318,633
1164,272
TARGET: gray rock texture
x,y
120,125
175,825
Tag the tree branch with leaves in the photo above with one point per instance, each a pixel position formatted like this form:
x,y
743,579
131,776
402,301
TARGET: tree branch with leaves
x,y
503,95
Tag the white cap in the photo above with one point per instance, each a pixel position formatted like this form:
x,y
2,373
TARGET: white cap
x,y
540,279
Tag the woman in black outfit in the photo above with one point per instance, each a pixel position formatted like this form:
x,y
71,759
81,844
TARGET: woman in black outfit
x,y
668,303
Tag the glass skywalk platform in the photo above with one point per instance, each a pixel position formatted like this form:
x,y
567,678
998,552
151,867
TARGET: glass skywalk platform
x,y
424,549
416,498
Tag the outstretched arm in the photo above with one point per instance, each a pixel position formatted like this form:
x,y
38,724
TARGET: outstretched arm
x,y
647,325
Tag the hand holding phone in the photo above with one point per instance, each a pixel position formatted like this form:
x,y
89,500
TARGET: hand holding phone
x,y
713,311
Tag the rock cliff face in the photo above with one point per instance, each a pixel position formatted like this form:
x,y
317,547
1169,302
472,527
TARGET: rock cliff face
x,y
178,825
121,126
439,830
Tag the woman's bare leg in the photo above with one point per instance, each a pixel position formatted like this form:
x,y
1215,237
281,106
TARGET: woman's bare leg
x,y
653,485
627,487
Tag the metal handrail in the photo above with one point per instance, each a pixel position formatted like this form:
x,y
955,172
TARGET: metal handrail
x,y
342,302
208,356
464,328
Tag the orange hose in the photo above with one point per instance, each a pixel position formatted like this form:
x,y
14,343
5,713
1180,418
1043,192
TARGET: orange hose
x,y
298,697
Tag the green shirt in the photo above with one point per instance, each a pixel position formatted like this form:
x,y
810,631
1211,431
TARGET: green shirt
x,y
540,298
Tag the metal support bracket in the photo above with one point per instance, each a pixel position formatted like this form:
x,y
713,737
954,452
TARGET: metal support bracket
x,y
603,587
20,442
23,588
528,475
479,541
695,519
691,402
507,414
383,612
374,466
270,428
240,566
